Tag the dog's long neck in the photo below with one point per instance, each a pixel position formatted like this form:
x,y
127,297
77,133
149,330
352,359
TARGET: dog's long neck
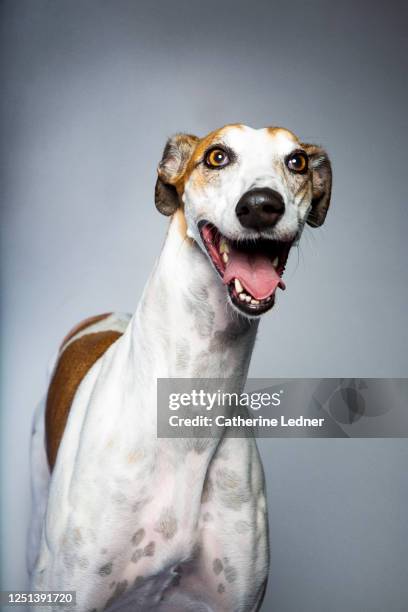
x,y
183,323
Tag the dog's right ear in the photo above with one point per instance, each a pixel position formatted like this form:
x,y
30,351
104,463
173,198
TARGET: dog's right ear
x,y
322,184
170,170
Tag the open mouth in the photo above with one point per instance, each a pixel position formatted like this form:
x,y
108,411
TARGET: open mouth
x,y
252,270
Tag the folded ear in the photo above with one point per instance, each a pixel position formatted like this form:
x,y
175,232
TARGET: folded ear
x,y
170,170
322,182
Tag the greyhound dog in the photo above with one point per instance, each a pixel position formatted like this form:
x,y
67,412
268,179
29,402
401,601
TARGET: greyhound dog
x,y
131,521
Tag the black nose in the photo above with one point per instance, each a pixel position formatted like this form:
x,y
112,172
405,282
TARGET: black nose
x,y
260,208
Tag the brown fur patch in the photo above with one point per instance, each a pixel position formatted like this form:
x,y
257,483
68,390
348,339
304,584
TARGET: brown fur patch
x,y
180,222
72,366
201,146
277,131
83,325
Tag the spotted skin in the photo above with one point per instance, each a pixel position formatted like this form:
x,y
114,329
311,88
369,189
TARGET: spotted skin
x,y
167,525
138,537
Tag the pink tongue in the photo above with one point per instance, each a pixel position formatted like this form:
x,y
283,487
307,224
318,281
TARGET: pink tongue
x,y
256,273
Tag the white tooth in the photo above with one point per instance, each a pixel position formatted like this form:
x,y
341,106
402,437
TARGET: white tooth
x,y
224,246
248,298
238,286
275,262
242,297
268,299
225,258
254,301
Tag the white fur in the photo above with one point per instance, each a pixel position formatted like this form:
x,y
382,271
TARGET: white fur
x,y
113,477
259,163
94,489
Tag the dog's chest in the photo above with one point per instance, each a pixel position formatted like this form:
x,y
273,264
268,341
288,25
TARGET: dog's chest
x,y
159,560
194,552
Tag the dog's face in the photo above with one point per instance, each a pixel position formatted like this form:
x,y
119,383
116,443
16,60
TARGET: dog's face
x,y
246,195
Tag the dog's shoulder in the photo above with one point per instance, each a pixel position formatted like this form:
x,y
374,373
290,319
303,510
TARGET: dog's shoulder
x,y
80,350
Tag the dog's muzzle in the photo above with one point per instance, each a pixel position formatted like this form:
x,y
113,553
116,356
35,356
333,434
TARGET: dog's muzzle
x,y
260,209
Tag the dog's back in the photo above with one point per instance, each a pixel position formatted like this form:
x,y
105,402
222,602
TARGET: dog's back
x,y
81,348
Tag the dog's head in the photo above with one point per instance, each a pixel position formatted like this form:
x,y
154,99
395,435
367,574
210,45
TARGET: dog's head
x,y
246,195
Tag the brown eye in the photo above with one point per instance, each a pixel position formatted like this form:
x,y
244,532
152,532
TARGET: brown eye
x,y
297,162
216,158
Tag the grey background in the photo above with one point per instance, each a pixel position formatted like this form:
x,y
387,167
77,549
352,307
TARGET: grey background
x,y
91,90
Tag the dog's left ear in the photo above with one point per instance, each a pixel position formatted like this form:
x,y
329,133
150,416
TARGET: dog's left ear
x,y
170,170
322,183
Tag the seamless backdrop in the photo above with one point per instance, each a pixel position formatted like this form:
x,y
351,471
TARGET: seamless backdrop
x,y
90,92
